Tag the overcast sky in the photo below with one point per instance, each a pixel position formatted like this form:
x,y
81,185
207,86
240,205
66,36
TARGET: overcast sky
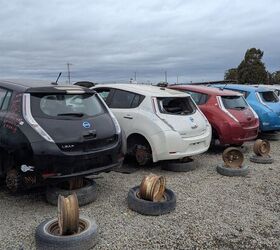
x,y
110,40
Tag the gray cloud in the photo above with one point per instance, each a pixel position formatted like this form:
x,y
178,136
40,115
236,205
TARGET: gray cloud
x,y
110,40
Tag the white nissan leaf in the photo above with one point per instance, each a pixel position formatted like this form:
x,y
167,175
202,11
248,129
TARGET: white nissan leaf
x,y
158,123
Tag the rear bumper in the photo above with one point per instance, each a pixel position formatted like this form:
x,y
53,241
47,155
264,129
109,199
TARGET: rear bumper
x,y
270,124
237,134
171,146
50,162
85,173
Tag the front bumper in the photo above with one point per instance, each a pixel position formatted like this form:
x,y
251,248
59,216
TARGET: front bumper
x,y
169,145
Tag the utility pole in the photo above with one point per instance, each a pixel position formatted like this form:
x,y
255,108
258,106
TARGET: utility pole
x,y
135,76
68,69
177,79
165,76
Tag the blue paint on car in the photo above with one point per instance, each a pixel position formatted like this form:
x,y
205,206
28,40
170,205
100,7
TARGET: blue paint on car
x,y
262,100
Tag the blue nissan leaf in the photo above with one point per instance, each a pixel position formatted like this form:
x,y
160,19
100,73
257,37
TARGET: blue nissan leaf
x,y
263,100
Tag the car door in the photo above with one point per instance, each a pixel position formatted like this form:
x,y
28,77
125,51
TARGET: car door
x,y
122,105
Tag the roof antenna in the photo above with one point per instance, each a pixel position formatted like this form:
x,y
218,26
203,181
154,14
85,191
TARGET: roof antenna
x,y
59,75
224,86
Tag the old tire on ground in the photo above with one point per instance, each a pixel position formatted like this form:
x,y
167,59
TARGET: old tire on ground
x,y
177,166
47,236
149,207
85,195
261,159
243,171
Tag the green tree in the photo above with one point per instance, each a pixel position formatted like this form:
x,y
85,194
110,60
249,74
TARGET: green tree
x,y
231,74
275,77
252,69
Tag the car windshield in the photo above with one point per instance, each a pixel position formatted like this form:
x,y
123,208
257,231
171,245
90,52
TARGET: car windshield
x,y
234,102
176,105
269,96
65,105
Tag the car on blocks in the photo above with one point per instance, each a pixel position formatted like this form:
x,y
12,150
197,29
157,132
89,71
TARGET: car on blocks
x,y
159,124
233,121
51,133
264,101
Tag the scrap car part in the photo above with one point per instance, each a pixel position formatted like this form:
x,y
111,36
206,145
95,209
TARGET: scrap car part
x,y
261,147
142,155
68,214
13,180
152,187
233,157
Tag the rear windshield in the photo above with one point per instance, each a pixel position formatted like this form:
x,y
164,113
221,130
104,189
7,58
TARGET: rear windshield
x,y
234,102
176,105
269,96
65,105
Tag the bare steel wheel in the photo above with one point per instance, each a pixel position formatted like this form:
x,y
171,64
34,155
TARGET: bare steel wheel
x,y
233,157
142,154
261,147
152,187
13,180
76,183
68,214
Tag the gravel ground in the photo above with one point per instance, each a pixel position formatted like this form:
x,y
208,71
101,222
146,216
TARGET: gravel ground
x,y
213,211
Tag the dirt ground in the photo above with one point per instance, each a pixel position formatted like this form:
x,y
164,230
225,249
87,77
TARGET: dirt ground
x,y
213,211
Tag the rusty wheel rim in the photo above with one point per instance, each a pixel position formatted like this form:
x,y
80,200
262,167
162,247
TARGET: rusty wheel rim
x,y
68,214
76,183
233,157
152,187
261,147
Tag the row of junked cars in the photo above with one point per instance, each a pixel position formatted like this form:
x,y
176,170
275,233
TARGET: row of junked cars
x,y
50,133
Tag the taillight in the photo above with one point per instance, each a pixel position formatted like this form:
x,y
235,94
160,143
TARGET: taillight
x,y
222,107
114,119
26,112
153,99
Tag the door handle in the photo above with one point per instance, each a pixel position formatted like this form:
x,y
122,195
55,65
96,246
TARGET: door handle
x,y
128,117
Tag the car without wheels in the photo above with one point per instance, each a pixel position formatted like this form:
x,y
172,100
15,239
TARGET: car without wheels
x,y
52,133
232,119
159,124
264,102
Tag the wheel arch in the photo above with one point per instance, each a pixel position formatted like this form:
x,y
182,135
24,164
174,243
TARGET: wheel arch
x,y
143,138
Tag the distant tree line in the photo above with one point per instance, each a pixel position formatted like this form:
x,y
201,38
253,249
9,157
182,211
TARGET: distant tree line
x,y
252,70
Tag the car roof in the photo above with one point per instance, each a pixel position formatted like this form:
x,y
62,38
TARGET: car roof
x,y
146,90
36,86
242,87
206,90
269,86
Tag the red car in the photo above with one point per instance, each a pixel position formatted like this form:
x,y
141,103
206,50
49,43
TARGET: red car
x,y
233,120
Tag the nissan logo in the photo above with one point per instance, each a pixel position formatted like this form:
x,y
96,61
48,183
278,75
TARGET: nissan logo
x,y
86,124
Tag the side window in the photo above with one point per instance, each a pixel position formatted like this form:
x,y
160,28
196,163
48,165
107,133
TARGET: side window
x,y
199,98
5,96
122,99
137,100
104,93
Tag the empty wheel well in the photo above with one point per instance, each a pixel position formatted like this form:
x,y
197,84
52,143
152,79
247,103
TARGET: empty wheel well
x,y
215,134
135,139
7,161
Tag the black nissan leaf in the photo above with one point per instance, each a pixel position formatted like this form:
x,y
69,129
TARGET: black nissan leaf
x,y
51,132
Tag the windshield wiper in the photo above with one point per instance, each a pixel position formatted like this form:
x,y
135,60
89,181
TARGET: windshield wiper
x,y
71,114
